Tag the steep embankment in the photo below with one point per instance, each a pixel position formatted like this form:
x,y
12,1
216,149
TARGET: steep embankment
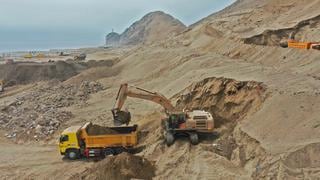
x,y
248,17
30,72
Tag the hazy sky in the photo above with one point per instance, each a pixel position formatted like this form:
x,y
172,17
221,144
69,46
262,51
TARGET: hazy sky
x,y
43,24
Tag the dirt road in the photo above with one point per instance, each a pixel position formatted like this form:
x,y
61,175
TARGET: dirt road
x,y
35,161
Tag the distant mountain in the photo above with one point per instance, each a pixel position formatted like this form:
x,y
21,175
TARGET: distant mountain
x,y
154,26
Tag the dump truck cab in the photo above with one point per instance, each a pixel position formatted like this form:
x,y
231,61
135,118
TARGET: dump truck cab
x,y
69,141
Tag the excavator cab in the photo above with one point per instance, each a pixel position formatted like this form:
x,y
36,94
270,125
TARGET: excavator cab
x,y
176,119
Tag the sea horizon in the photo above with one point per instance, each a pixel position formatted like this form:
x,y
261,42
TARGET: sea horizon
x,y
13,48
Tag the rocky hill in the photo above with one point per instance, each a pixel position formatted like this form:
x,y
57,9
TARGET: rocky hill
x,y
155,26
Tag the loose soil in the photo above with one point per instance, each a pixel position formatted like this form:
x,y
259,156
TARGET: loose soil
x,y
95,130
121,167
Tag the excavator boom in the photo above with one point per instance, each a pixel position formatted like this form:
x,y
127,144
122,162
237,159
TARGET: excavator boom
x,y
123,117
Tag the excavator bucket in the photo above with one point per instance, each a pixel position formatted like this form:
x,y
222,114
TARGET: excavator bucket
x,y
121,117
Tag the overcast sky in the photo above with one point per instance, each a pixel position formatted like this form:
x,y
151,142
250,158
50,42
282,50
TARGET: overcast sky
x,y
59,23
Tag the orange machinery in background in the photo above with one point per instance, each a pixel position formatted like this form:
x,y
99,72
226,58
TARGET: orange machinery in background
x,y
292,43
303,45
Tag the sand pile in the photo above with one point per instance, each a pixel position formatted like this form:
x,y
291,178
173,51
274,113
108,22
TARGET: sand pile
x,y
121,167
228,100
94,130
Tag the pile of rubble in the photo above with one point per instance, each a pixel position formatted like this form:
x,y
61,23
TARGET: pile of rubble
x,y
38,114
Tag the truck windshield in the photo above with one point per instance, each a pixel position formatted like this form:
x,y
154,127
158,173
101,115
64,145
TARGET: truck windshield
x,y
64,138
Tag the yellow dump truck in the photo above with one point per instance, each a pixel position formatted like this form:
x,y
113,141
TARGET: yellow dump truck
x,y
96,141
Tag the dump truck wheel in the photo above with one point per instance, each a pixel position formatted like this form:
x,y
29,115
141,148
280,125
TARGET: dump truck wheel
x,y
194,139
72,154
169,138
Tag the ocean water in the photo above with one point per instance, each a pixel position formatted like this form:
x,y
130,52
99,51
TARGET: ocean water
x,y
7,47
28,40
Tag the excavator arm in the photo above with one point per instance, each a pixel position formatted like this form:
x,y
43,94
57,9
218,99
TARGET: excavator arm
x,y
123,117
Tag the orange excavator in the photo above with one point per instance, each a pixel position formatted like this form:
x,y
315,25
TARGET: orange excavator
x,y
292,43
177,123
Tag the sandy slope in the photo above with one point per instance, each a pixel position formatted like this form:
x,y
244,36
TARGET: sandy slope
x,y
268,141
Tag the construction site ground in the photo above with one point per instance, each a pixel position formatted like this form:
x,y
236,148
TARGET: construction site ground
x,y
264,98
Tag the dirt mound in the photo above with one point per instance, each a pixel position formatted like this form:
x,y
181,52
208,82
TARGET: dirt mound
x,y
121,167
95,130
228,100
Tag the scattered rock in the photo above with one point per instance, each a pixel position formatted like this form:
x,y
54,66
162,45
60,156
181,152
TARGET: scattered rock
x,y
38,114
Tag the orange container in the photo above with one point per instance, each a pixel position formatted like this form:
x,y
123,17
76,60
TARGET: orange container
x,y
299,45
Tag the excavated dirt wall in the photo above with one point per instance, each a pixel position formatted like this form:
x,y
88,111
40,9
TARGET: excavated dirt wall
x,y
29,72
228,100
23,73
305,30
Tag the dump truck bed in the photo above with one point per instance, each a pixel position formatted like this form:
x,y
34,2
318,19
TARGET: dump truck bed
x,y
123,137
